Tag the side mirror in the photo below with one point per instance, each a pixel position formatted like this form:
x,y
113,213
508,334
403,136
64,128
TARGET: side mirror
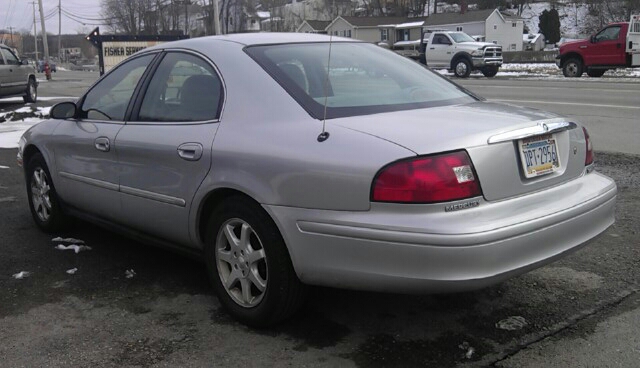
x,y
24,62
63,110
593,39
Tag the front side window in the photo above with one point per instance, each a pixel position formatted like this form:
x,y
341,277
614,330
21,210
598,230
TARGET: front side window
x,y
461,37
108,100
183,88
608,34
362,79
10,58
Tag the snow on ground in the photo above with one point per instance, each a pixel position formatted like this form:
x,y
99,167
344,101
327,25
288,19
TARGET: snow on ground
x,y
568,14
74,247
24,109
68,240
21,275
10,132
551,71
4,167
19,99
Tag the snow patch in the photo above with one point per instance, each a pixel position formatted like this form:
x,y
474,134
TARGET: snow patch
x,y
10,132
72,271
512,323
67,240
21,275
76,248
129,273
4,167
23,110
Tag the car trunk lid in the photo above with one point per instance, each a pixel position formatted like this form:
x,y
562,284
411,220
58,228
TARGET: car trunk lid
x,y
491,133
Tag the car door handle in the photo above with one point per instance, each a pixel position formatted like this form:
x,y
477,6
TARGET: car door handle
x,y
619,45
190,151
102,144
432,48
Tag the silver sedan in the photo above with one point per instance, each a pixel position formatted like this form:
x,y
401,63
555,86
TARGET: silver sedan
x,y
287,160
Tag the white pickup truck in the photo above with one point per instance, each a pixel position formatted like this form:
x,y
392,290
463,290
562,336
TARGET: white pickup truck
x,y
459,52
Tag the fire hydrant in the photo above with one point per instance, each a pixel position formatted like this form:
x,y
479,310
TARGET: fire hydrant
x,y
47,71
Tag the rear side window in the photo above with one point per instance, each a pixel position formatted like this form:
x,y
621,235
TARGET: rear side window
x,y
362,79
183,88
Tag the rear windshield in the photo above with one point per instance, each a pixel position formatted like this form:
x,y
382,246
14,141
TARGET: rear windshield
x,y
362,79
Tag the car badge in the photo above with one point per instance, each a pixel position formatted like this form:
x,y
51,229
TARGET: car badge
x,y
544,127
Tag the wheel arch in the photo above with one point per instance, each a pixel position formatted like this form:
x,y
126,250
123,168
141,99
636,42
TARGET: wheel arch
x,y
571,55
209,202
29,151
461,55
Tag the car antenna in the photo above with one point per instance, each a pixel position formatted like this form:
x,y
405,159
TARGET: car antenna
x,y
325,135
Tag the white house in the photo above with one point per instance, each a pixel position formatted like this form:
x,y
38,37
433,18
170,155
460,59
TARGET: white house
x,y
361,28
533,42
488,25
313,26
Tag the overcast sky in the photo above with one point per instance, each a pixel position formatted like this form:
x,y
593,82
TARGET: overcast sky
x,y
19,15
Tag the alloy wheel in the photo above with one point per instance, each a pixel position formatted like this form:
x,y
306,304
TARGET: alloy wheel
x,y
40,190
241,263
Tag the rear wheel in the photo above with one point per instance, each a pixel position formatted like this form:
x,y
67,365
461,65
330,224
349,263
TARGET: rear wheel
x,y
249,265
43,199
462,68
596,73
32,91
572,68
489,71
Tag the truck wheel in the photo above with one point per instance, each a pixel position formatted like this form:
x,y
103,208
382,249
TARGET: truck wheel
x,y
489,71
572,68
32,91
596,73
462,68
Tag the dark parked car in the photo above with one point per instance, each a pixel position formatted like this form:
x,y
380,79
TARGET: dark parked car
x,y
17,77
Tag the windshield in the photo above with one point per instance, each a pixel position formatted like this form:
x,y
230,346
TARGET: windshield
x,y
363,79
461,37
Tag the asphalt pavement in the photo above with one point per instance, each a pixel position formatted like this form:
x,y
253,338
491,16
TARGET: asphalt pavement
x,y
125,304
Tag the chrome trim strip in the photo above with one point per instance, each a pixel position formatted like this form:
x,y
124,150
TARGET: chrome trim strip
x,y
90,181
540,128
153,196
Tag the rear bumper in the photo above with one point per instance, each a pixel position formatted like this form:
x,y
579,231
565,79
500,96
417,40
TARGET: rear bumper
x,y
420,249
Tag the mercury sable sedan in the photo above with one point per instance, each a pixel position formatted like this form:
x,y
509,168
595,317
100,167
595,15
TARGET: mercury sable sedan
x,y
286,160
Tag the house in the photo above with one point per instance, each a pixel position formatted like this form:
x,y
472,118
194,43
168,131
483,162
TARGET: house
x,y
403,38
313,26
533,42
488,25
361,28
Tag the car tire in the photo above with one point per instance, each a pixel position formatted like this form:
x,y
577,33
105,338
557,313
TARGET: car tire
x,y
596,73
572,68
489,71
31,92
245,252
42,196
462,68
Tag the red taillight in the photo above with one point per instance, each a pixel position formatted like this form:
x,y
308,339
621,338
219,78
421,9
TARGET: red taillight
x,y
588,159
438,178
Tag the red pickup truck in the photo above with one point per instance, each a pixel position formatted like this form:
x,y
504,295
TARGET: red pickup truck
x,y
615,46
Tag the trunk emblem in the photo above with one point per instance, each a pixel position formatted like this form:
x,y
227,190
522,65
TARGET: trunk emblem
x,y
545,127
575,150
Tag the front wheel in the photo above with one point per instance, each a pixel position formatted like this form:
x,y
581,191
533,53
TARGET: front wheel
x,y
32,92
462,68
572,68
489,71
43,199
249,265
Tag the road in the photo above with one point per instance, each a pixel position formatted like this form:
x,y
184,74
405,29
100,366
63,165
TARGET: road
x,y
610,110
581,311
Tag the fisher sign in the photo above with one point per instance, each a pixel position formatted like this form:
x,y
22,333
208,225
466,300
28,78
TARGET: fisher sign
x,y
114,52
115,48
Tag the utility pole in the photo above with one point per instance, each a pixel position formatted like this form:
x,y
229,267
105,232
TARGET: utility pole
x,y
44,34
35,29
11,31
59,30
186,17
216,17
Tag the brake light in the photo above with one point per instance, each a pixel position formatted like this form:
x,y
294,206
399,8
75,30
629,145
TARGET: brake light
x,y
431,179
588,159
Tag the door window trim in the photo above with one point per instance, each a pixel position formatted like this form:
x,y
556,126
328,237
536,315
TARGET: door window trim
x,y
135,110
136,91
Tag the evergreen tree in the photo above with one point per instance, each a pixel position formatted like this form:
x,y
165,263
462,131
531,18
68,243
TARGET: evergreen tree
x,y
549,24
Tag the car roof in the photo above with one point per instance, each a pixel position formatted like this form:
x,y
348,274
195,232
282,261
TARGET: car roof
x,y
252,39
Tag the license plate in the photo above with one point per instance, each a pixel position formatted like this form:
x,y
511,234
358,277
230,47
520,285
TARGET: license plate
x,y
539,155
